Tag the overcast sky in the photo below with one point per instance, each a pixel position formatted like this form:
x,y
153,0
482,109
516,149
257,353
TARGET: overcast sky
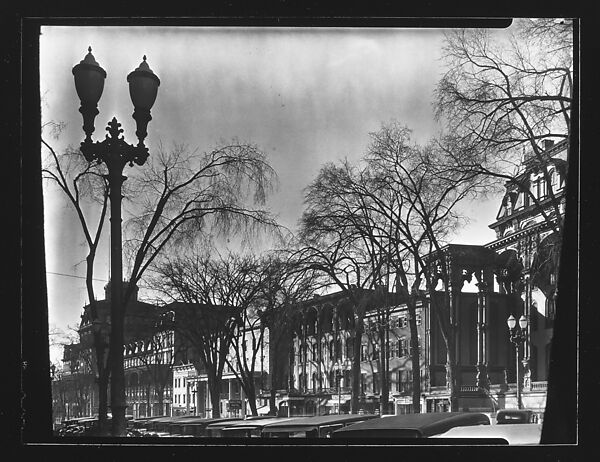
x,y
304,96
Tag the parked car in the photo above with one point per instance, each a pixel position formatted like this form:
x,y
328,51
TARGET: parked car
x,y
198,427
194,426
313,427
245,428
515,434
411,425
515,416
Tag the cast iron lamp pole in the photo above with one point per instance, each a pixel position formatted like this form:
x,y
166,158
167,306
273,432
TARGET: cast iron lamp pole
x,y
115,153
517,336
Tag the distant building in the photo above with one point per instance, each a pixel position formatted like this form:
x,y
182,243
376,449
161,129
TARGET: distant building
x,y
526,236
191,394
75,386
322,351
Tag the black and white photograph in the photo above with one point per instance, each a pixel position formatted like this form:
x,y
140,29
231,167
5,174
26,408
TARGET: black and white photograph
x,y
340,234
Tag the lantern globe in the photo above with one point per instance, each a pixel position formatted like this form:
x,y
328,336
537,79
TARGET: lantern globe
x,y
89,80
511,322
523,322
143,87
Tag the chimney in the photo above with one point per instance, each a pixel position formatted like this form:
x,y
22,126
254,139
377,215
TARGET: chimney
x,y
548,144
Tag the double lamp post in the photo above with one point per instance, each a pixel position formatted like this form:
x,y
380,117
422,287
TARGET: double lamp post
x,y
517,337
115,152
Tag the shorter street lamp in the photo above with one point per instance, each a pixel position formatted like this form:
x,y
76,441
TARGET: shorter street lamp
x,y
517,337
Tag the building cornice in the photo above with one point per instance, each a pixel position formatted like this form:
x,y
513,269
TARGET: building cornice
x,y
504,241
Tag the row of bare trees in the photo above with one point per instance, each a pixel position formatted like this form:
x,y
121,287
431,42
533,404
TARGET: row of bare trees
x,y
224,305
369,227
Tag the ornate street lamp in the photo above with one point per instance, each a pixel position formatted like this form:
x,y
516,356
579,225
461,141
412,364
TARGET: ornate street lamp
x,y
517,337
115,153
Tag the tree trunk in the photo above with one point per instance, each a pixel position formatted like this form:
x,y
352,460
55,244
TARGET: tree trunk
x,y
448,337
358,331
415,358
103,402
161,399
250,391
215,397
383,373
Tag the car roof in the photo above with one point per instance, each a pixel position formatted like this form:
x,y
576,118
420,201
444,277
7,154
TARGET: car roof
x,y
513,433
259,423
425,424
303,423
514,412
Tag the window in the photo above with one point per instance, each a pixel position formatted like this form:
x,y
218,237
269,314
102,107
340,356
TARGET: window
x,y
314,352
347,377
405,381
363,353
403,347
418,319
376,382
350,347
392,349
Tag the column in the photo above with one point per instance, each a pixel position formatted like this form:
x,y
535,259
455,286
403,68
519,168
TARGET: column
x,y
482,306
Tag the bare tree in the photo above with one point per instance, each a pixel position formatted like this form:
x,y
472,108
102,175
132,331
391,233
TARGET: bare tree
x,y
242,280
504,93
85,186
204,317
333,244
417,195
286,285
372,216
181,195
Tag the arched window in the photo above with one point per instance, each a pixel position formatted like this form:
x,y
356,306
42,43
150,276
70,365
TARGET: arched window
x,y
350,347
